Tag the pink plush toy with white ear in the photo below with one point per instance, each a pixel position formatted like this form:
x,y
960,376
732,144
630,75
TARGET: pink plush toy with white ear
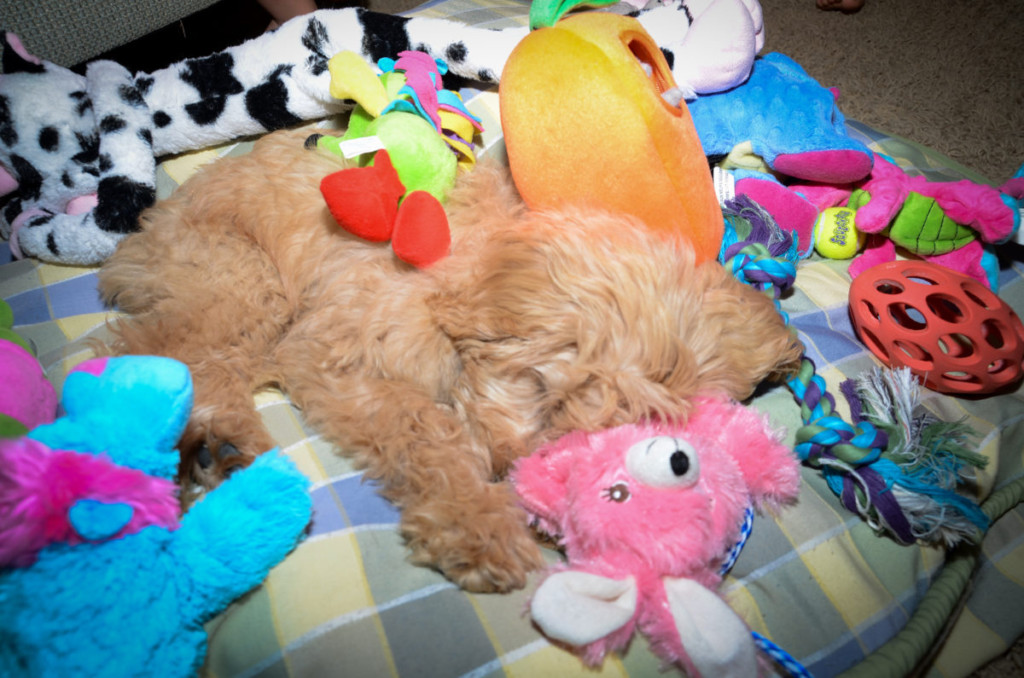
x,y
647,514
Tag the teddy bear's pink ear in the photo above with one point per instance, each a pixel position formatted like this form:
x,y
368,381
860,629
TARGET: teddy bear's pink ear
x,y
541,479
770,469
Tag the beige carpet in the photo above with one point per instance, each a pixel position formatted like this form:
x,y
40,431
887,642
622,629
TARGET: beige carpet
x,y
948,74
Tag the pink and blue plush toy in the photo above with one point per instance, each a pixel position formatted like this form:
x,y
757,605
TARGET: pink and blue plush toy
x,y
953,224
648,514
778,127
949,223
99,572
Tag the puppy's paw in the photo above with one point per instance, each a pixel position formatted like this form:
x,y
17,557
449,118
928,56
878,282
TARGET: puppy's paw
x,y
221,460
483,545
208,460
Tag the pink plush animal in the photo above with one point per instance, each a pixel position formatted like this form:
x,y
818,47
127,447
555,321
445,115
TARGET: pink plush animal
x,y
647,514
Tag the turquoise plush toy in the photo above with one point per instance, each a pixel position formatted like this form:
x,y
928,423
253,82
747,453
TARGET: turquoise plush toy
x,y
782,121
116,592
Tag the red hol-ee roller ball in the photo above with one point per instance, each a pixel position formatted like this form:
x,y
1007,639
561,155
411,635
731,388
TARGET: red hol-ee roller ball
x,y
951,331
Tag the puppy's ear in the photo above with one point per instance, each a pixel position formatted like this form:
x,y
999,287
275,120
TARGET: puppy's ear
x,y
741,339
505,295
577,320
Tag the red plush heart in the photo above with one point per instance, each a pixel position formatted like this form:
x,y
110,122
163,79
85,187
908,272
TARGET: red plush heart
x,y
421,236
364,200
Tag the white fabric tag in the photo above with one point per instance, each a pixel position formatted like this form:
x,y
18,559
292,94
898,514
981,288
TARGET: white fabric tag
x,y
350,148
725,184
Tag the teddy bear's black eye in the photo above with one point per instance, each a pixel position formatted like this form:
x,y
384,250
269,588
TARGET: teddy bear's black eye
x,y
680,463
663,461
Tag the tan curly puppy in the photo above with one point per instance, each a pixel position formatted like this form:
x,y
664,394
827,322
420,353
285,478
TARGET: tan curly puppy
x,y
433,380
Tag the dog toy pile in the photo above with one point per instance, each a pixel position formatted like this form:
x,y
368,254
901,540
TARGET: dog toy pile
x,y
892,489
896,491
77,153
647,515
784,139
780,123
100,574
953,223
949,223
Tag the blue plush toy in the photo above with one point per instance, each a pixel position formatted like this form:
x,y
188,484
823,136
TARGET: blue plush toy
x,y
123,599
780,120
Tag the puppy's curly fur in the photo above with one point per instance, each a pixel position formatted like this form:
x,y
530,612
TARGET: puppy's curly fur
x,y
435,380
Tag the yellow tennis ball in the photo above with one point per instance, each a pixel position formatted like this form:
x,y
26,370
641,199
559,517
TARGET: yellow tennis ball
x,y
835,235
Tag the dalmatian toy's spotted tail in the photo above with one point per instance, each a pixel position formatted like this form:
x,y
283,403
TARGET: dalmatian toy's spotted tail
x,y
78,153
239,92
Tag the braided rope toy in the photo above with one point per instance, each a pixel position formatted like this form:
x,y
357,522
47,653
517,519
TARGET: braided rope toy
x,y
881,485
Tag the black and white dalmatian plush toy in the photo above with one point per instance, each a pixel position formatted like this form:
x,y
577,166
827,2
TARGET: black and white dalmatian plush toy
x,y
78,153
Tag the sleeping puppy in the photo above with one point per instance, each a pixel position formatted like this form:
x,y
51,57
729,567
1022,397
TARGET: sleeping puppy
x,y
434,381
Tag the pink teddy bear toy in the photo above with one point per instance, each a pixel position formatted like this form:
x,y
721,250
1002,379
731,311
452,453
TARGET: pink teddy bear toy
x,y
647,514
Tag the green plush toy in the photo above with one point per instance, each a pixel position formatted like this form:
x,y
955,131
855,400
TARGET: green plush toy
x,y
409,138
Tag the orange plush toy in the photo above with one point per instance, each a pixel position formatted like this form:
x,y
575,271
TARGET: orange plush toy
x,y
591,116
